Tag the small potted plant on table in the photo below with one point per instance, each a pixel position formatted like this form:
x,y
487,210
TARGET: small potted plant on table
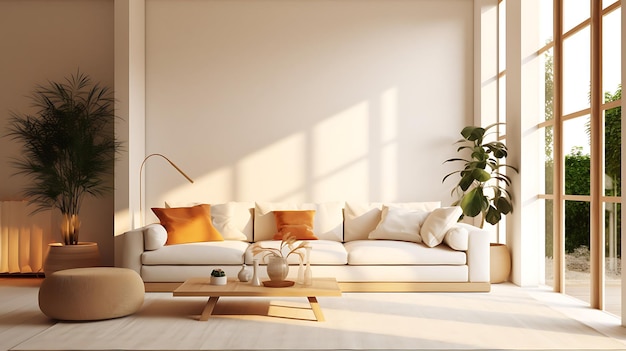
x,y
218,277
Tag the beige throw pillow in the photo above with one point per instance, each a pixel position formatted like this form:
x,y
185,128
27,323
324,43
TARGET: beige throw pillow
x,y
361,218
224,218
154,237
399,224
457,238
437,224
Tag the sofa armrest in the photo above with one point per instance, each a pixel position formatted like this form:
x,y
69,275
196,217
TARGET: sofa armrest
x,y
129,247
478,253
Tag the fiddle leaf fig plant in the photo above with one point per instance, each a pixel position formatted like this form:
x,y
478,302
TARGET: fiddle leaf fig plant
x,y
482,187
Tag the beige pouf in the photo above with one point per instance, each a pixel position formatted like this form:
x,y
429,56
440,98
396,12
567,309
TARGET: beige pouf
x,y
81,294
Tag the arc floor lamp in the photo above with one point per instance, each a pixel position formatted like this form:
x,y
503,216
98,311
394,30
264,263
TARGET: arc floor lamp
x,y
141,214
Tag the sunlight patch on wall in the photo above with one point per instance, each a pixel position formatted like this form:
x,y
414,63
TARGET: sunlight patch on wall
x,y
276,172
389,115
351,183
339,153
205,189
389,145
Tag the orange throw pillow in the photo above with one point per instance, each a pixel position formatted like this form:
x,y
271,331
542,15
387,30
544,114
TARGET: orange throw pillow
x,y
298,223
188,224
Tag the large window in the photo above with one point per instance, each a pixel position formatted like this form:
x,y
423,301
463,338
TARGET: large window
x,y
581,46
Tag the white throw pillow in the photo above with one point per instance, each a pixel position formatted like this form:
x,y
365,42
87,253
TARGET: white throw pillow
x,y
154,236
457,238
224,218
362,217
437,224
399,224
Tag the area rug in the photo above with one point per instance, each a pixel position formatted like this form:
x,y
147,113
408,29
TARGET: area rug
x,y
356,321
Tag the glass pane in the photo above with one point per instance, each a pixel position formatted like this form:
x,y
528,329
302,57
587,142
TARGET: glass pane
x,y
613,151
548,66
548,142
502,35
612,252
549,161
574,13
546,21
576,76
611,51
577,159
577,273
549,242
607,3
502,103
612,92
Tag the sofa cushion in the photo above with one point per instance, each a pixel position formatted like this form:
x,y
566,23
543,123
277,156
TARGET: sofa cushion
x,y
297,223
399,224
328,219
386,252
188,224
437,224
457,238
233,220
361,218
323,252
154,236
201,253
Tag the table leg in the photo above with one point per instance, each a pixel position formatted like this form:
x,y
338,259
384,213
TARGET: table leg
x,y
208,309
315,306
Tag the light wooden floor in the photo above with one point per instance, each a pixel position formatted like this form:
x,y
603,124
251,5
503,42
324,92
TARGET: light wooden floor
x,y
612,297
580,289
21,321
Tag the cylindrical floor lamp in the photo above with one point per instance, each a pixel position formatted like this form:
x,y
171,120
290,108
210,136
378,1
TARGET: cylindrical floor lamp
x,y
141,214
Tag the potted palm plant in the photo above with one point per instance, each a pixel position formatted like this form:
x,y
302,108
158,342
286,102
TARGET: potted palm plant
x,y
482,188
68,147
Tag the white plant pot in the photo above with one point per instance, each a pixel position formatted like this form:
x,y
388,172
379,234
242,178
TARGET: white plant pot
x,y
219,280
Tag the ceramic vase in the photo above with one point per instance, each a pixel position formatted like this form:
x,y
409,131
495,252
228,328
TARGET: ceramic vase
x,y
277,268
255,274
308,275
300,279
244,274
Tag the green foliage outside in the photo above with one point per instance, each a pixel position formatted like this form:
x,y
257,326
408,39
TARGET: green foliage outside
x,y
577,170
577,182
613,144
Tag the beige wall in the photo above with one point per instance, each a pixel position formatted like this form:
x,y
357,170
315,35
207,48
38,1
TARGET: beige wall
x,y
44,40
261,100
278,100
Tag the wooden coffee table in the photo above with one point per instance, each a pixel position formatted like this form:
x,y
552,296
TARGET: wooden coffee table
x,y
201,287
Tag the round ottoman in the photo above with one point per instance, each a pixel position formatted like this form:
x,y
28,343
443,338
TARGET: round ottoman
x,y
95,293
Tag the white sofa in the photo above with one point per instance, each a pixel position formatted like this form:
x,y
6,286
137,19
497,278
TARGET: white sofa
x,y
346,248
